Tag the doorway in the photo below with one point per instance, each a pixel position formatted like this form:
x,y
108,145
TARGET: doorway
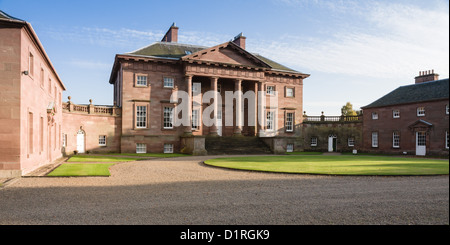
x,y
421,143
332,143
80,141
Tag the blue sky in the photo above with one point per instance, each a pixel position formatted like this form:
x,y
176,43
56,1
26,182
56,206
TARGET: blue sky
x,y
355,51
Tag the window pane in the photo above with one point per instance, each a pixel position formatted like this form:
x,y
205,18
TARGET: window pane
x,y
141,80
374,139
396,139
102,140
351,142
168,117
195,119
290,148
141,116
168,148
289,92
168,82
141,148
289,122
270,120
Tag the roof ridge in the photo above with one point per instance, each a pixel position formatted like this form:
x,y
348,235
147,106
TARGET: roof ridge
x,y
7,16
427,82
167,43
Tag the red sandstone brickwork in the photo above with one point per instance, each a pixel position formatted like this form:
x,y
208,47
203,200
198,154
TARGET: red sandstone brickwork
x,y
93,125
30,133
435,114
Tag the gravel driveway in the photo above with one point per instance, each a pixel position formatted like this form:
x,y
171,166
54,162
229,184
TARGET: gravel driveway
x,y
183,191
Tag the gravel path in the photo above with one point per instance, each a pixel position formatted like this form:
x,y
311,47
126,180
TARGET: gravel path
x,y
184,191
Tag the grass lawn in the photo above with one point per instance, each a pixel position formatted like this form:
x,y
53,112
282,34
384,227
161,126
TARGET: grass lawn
x,y
336,165
82,169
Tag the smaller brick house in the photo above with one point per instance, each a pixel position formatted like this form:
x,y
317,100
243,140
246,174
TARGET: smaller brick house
x,y
412,119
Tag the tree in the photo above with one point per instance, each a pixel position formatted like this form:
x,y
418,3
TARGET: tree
x,y
347,110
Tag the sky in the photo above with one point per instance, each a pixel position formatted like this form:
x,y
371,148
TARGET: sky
x,y
354,51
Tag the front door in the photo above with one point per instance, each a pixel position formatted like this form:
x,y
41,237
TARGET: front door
x,y
421,143
80,141
332,142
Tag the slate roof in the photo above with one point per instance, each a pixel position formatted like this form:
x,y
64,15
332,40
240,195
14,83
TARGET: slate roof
x,y
167,50
170,50
427,91
5,16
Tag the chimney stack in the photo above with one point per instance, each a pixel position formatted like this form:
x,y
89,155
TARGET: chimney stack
x,y
426,76
239,40
171,34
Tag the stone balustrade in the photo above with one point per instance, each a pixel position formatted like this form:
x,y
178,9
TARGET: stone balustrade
x,y
91,109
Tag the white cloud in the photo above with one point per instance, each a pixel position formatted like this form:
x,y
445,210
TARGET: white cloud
x,y
389,40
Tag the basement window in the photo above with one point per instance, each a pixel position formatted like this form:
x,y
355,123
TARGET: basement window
x,y
168,148
141,148
102,140
289,147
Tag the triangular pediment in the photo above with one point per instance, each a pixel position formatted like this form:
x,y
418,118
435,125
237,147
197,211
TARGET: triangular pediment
x,y
226,53
420,125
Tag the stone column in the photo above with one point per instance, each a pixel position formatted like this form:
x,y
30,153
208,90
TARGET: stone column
x,y
238,126
188,127
213,129
255,128
261,107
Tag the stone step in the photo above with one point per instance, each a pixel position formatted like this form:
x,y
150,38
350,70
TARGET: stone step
x,y
235,145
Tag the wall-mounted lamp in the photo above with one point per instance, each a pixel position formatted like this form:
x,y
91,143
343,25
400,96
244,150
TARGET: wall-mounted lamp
x,y
25,72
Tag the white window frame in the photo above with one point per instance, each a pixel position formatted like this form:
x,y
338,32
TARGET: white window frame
x,y
446,109
289,122
141,116
168,117
102,140
291,93
374,139
270,90
290,147
395,139
141,80
374,115
313,141
396,113
195,119
446,139
421,111
141,148
196,87
168,148
64,140
351,141
270,120
169,82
